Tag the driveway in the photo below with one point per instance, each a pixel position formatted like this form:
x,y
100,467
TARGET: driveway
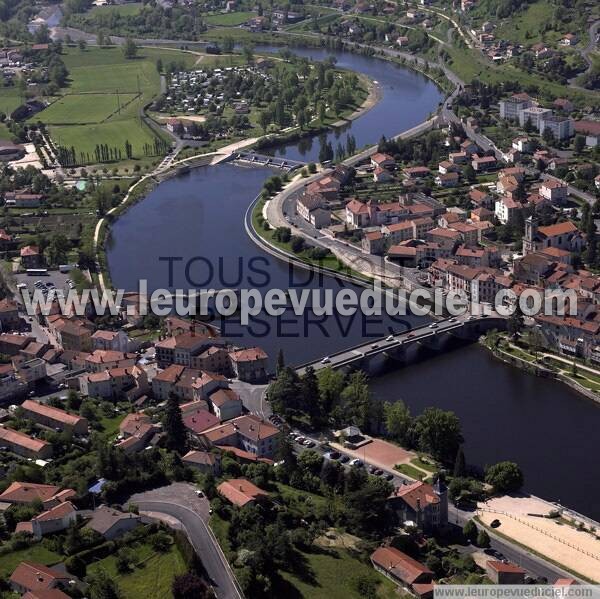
x,y
179,501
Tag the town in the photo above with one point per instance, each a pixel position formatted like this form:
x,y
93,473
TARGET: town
x,y
435,146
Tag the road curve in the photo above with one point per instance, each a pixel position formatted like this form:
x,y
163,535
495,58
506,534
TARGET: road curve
x,y
205,544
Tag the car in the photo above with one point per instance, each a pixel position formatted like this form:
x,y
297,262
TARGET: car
x,y
390,338
356,462
325,360
199,493
308,443
22,286
300,439
410,335
378,472
389,476
333,455
210,510
371,469
344,459
374,346
433,325
453,320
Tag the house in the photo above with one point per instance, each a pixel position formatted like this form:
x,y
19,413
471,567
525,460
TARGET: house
x,y
421,503
511,108
177,380
33,577
310,208
30,257
507,209
248,433
447,180
199,420
101,360
401,568
225,404
111,523
481,199
570,39
116,383
483,163
563,105
204,461
373,242
9,315
250,364
358,214
24,445
416,172
458,157
382,160
112,341
179,349
554,190
241,492
402,41
57,518
541,50
502,573
469,147
54,418
136,431
20,493
446,166
73,334
381,175
525,145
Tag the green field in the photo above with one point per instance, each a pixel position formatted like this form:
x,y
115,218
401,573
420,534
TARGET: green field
x,y
10,98
230,19
86,108
331,574
152,576
123,10
528,25
35,553
102,72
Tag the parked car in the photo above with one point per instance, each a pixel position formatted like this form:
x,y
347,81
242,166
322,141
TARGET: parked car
x,y
333,455
356,462
344,459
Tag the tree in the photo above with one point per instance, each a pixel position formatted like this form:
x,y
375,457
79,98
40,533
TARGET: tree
x,y
130,49
470,174
309,391
248,53
82,45
159,65
102,586
356,402
280,361
174,428
397,421
460,466
470,530
578,144
483,539
439,433
264,120
190,585
505,477
515,322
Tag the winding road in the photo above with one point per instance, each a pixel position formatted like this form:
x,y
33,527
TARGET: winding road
x,y
179,501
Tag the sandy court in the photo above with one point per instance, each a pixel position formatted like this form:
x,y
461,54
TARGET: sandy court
x,y
577,550
380,453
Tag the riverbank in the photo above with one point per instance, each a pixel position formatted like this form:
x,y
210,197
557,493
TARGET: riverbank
x,y
586,384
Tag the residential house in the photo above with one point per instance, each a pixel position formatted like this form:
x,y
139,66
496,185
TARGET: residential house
x,y
421,503
136,431
249,364
401,568
101,360
177,380
34,578
248,433
9,315
504,573
570,39
57,518
204,461
241,492
481,199
525,145
373,242
111,523
180,349
554,190
24,445
381,175
469,147
507,209
483,163
198,420
226,404
310,208
382,160
54,418
416,172
563,105
447,180
30,257
116,383
24,493
112,341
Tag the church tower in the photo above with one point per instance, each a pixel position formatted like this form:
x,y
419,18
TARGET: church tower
x,y
530,235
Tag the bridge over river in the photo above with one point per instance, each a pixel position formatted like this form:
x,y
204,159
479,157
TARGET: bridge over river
x,y
284,164
433,334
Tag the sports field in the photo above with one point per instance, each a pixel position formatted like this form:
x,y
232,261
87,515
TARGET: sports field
x,y
88,114
86,108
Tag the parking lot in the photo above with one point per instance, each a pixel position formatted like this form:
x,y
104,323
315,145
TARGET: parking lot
x,y
53,277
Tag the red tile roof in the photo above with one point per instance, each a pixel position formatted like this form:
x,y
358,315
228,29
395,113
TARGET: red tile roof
x,y
401,566
36,577
240,491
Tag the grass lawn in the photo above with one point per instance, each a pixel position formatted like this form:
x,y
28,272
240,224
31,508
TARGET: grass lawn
x,y
10,98
102,72
123,10
35,553
110,426
230,19
532,21
86,108
410,471
151,577
331,574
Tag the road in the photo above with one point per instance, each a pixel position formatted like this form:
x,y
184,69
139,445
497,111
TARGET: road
x,y
585,53
179,501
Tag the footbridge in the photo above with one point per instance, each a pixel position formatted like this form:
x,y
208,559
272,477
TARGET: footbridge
x,y
284,164
395,345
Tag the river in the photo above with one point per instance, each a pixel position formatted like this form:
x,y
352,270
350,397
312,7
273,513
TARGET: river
x,y
197,218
